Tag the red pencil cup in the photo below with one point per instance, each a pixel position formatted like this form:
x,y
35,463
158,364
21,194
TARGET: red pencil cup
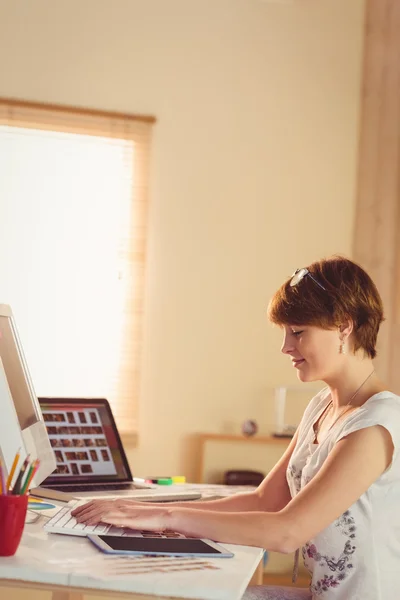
x,y
12,520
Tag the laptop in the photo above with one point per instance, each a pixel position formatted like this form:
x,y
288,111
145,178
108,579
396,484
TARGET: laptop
x,y
90,458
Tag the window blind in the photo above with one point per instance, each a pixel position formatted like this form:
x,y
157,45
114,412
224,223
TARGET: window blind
x,y
73,198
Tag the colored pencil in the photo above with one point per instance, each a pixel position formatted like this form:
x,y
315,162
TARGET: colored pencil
x,y
27,478
14,466
31,473
17,485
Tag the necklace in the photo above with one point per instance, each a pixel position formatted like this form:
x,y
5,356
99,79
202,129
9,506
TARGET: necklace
x,y
327,409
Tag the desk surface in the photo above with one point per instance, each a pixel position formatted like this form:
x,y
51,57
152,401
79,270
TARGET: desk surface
x,y
72,562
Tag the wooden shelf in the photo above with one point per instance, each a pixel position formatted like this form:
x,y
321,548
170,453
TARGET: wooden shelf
x,y
285,579
254,439
224,440
219,453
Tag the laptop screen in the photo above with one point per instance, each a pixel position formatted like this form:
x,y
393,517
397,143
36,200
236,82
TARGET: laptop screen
x,y
85,441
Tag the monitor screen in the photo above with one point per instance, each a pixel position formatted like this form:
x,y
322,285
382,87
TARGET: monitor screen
x,y
30,420
19,381
85,441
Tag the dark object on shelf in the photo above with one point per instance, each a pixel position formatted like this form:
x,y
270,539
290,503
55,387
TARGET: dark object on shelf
x,y
287,431
240,477
249,427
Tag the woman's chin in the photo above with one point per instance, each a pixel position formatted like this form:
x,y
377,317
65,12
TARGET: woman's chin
x,y
305,377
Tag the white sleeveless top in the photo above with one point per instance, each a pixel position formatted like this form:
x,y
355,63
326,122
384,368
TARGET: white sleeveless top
x,y
358,555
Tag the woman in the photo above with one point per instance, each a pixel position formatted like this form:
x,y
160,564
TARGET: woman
x,y
335,493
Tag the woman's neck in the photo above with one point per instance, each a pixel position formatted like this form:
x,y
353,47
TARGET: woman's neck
x,y
357,378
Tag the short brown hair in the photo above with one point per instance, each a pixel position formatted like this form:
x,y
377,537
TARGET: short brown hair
x,y
349,293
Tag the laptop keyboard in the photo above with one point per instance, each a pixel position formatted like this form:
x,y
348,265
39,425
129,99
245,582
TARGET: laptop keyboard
x,y
64,522
99,488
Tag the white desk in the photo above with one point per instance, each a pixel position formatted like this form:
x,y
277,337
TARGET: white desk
x,y
70,567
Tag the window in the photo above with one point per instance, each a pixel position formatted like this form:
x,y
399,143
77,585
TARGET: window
x,y
73,197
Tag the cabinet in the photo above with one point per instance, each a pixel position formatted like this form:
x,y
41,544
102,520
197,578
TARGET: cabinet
x,y
220,453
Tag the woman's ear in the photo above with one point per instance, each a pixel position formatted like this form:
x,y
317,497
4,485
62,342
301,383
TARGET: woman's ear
x,y
346,329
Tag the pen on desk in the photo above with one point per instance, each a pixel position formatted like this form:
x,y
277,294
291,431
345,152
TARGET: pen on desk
x,y
17,485
13,467
159,480
140,480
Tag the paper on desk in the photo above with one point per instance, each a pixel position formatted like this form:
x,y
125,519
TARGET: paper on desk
x,y
104,567
78,556
48,513
111,566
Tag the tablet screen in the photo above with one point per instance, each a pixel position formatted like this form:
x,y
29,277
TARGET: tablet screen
x,y
167,545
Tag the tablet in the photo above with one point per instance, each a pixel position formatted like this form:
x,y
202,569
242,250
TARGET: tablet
x,y
159,546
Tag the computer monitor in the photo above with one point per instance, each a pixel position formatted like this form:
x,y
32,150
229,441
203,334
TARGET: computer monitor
x,y
33,432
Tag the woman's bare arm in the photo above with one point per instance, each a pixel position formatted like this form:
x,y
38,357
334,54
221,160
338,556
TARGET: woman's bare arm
x,y
271,495
352,466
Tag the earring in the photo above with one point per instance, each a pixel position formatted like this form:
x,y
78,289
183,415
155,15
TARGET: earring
x,y
341,348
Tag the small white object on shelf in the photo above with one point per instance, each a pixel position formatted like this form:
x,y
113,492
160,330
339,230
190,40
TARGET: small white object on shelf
x,y
279,403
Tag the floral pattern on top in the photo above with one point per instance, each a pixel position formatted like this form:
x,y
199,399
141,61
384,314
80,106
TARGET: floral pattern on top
x,y
295,474
339,567
298,478
346,524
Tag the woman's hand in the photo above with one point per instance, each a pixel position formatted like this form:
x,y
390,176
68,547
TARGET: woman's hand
x,y
123,513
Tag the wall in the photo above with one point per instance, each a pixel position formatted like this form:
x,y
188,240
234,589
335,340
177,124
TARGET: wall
x,y
253,175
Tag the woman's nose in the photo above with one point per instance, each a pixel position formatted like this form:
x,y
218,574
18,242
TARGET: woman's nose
x,y
287,345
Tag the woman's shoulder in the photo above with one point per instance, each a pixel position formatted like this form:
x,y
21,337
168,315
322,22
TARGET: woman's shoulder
x,y
382,408
384,395
383,403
